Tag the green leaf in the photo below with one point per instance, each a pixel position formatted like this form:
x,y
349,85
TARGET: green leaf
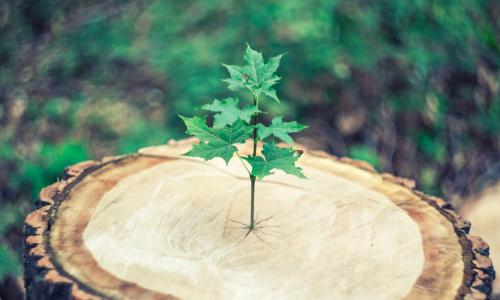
x,y
228,111
215,142
238,79
280,129
275,158
256,75
255,63
197,127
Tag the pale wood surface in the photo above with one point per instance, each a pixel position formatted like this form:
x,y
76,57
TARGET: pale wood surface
x,y
157,225
327,233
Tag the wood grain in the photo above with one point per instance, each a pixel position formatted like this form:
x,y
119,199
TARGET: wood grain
x,y
157,226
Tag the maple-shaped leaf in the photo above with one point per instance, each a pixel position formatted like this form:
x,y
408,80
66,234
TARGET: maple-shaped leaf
x,y
238,77
228,111
256,75
215,142
280,129
275,158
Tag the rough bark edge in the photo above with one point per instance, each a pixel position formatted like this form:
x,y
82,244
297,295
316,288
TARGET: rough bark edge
x,y
44,280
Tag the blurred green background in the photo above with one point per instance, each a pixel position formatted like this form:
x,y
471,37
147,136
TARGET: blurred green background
x,y
409,86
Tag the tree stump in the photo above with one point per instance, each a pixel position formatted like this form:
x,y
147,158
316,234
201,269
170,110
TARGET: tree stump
x,y
156,225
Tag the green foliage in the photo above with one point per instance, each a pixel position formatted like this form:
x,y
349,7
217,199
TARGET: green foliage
x,y
256,76
49,165
365,153
275,158
115,76
9,263
428,180
7,152
432,146
10,215
216,142
489,120
279,129
232,124
228,111
142,134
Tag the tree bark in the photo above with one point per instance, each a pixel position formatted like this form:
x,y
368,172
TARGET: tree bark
x,y
484,211
156,225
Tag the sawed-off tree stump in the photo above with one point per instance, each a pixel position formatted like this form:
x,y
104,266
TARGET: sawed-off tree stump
x,y
157,225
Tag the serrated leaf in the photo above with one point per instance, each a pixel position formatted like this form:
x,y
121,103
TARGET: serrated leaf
x,y
256,75
279,129
271,93
255,63
215,142
275,158
197,127
238,77
228,111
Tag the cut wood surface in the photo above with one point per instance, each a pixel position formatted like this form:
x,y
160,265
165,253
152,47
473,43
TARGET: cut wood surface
x,y
157,225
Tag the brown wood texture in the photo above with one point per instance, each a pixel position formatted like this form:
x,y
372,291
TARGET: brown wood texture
x,y
68,238
483,211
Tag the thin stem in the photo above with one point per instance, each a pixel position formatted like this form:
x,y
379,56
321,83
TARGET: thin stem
x,y
254,123
252,202
252,178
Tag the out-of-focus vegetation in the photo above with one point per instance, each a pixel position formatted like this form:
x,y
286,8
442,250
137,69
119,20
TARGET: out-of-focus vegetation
x,y
410,86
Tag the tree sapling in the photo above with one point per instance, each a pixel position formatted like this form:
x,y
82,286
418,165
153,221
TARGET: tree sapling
x,y
233,125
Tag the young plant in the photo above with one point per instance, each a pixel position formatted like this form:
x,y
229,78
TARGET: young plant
x,y
233,124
